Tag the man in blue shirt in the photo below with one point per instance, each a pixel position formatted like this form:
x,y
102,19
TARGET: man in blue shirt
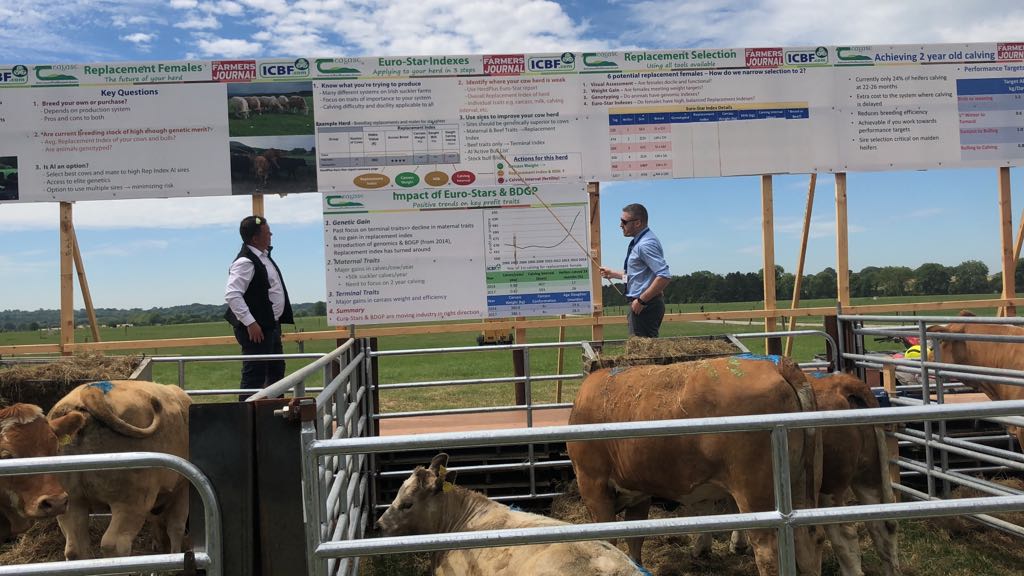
x,y
645,273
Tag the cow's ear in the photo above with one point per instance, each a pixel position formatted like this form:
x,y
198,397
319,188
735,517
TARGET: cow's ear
x,y
68,425
438,462
966,313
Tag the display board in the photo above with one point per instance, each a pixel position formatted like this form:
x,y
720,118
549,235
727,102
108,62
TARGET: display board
x,y
453,186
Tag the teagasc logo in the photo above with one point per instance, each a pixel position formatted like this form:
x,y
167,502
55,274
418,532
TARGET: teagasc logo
x,y
55,74
596,60
290,69
14,75
807,57
565,63
332,66
848,54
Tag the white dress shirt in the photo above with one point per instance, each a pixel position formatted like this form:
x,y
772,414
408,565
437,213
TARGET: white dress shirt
x,y
239,277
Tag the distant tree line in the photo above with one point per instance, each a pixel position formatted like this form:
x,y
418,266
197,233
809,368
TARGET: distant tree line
x,y
929,279
21,320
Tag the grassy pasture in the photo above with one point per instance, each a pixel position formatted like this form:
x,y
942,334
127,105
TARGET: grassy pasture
x,y
282,124
479,364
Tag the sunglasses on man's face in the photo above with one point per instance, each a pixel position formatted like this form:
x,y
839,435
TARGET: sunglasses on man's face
x,y
624,222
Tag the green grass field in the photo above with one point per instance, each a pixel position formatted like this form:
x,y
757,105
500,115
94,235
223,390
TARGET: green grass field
x,y
481,363
285,124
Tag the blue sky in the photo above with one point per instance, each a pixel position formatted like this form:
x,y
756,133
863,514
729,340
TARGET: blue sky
x,y
144,253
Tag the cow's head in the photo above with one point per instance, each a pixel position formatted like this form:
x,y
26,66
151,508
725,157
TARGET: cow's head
x,y
953,351
25,433
417,508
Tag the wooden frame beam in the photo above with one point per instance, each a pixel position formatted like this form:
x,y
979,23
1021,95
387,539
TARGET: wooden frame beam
x,y
842,243
1006,239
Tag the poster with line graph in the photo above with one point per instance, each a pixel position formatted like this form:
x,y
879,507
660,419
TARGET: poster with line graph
x,y
449,257
534,268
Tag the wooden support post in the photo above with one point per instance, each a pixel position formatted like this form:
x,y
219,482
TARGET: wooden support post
x,y
771,345
1006,236
67,279
842,243
798,281
893,445
257,205
83,283
594,195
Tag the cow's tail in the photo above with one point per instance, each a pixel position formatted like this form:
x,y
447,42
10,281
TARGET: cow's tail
x,y
882,445
861,397
95,401
811,461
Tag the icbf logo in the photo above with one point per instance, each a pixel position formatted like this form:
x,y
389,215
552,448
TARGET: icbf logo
x,y
806,57
291,69
14,75
564,63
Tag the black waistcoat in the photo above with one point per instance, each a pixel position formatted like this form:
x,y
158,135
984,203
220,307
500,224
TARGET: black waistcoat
x,y
257,295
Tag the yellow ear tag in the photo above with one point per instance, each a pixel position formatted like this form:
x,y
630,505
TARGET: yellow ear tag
x,y
448,487
64,440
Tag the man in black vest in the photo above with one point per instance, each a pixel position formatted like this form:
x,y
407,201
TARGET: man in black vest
x,y
257,304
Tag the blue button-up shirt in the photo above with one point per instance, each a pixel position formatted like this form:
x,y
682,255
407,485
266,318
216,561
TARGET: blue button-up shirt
x,y
644,262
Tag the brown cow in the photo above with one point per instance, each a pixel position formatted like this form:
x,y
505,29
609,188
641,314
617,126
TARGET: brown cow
x,y
126,416
298,105
615,475
25,433
990,354
428,504
853,458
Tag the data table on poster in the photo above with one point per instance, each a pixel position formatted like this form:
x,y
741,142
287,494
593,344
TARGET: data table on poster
x,y
535,268
367,147
991,118
538,292
641,139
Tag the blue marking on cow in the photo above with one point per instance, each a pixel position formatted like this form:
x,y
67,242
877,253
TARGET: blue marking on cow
x,y
104,385
819,374
514,508
773,358
617,369
642,569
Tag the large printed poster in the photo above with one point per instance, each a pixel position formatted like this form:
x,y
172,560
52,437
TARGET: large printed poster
x,y
453,185
488,252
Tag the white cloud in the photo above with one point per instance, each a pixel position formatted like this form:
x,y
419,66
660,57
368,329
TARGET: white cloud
x,y
122,249
736,23
183,4
228,47
166,213
140,39
228,8
197,22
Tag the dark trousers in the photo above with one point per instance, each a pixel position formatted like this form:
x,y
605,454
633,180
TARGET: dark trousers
x,y
648,322
258,374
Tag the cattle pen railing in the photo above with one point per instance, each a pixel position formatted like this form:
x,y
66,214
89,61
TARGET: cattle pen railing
x,y
207,557
784,518
932,375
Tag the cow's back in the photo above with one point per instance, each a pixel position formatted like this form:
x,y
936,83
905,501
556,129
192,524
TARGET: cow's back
x,y
137,404
588,558
672,466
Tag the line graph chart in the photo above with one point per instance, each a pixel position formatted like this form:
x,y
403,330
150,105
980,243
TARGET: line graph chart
x,y
537,264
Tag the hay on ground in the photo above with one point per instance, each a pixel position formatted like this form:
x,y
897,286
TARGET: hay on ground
x,y
638,351
44,384
44,542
